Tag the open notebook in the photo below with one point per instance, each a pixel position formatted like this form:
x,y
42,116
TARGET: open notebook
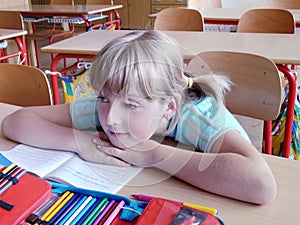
x,y
69,168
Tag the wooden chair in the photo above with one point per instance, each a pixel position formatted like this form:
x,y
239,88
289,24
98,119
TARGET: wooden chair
x,y
267,20
283,4
13,20
114,19
24,85
257,90
179,19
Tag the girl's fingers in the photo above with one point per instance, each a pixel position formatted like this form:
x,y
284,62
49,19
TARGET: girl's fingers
x,y
97,141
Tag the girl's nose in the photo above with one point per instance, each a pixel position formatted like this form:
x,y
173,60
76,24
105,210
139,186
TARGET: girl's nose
x,y
114,113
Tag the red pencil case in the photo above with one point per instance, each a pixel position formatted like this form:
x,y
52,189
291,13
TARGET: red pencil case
x,y
163,211
25,196
31,192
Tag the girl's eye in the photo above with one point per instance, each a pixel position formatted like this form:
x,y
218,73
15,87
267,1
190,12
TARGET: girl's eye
x,y
132,105
102,99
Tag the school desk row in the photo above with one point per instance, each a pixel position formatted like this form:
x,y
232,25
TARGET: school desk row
x,y
18,37
284,210
34,11
229,16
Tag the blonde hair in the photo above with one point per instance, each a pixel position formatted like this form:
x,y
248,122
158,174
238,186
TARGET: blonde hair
x,y
153,61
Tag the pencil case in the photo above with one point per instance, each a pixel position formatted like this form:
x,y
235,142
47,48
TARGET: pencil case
x,y
20,199
157,211
31,194
164,211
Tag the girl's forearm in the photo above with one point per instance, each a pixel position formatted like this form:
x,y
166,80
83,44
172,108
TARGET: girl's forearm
x,y
226,174
31,129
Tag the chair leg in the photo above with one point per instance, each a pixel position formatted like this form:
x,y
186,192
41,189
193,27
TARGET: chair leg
x,y
267,137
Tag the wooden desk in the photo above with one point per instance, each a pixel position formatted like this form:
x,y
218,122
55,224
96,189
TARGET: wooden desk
x,y
19,37
284,210
61,10
230,16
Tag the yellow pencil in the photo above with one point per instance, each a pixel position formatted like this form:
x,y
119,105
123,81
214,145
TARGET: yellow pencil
x,y
210,210
54,206
59,207
8,168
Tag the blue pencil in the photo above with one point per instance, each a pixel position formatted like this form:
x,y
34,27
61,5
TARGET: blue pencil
x,y
63,209
67,210
104,212
72,211
78,210
93,215
82,213
88,212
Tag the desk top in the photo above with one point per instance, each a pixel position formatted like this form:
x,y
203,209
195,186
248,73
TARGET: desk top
x,y
281,48
232,14
61,9
228,15
9,33
283,210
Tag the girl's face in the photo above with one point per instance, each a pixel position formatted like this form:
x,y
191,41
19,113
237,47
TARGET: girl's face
x,y
132,120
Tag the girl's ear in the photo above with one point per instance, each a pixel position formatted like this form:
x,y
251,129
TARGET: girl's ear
x,y
172,107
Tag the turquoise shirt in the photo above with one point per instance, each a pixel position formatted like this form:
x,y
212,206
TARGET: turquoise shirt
x,y
200,124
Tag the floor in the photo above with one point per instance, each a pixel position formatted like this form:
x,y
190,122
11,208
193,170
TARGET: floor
x,y
252,126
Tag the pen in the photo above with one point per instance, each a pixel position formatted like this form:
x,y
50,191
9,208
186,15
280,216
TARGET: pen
x,y
15,176
147,198
6,171
33,218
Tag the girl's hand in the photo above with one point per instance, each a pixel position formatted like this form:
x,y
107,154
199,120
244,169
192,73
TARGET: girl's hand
x,y
87,150
142,155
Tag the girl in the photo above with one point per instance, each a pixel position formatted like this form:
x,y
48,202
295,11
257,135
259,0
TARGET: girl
x,y
143,98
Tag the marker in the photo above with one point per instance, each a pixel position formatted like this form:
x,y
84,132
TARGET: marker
x,y
82,213
6,171
47,213
89,211
8,168
56,210
66,209
102,221
78,210
147,198
95,212
8,176
66,218
104,212
114,213
15,175
33,218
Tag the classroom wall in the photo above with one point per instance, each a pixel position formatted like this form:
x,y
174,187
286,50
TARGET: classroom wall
x,y
242,3
6,3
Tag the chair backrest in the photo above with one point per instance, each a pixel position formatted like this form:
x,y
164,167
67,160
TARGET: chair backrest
x,y
99,2
179,19
257,90
24,85
11,20
203,4
267,20
61,2
283,4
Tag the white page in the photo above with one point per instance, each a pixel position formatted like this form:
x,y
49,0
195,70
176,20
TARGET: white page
x,y
67,167
36,160
99,177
